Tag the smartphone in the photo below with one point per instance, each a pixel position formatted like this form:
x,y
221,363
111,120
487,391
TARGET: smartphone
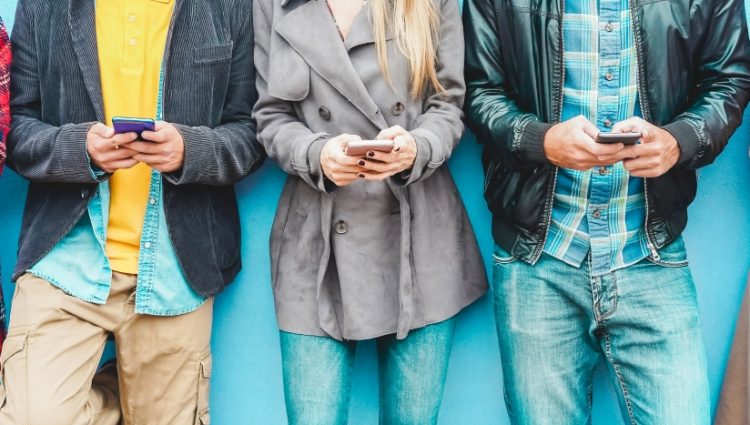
x,y
626,138
133,125
361,147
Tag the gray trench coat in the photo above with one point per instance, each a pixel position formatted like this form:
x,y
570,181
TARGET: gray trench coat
x,y
371,258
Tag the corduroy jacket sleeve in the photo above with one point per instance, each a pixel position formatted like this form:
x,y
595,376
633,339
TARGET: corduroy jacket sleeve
x,y
39,151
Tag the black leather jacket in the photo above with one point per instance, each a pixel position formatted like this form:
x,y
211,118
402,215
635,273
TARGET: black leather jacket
x,y
693,81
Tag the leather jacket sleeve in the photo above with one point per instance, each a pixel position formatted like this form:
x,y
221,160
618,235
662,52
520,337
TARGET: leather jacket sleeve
x,y
722,87
508,133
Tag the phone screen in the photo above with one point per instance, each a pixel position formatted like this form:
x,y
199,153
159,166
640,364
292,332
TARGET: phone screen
x,y
626,138
133,125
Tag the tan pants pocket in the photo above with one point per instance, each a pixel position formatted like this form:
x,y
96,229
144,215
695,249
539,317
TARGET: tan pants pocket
x,y
14,354
203,416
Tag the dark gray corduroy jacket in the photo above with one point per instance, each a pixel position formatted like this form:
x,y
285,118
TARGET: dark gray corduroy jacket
x,y
209,92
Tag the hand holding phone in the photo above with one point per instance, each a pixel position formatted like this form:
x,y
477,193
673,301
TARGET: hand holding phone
x,y
133,125
361,147
624,138
336,165
106,149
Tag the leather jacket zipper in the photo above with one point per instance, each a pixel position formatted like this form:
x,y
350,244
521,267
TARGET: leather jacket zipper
x,y
645,111
553,185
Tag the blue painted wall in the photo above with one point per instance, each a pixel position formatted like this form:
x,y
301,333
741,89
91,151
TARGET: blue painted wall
x,y
247,374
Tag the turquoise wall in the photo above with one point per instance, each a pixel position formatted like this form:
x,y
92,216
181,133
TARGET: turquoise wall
x,y
247,373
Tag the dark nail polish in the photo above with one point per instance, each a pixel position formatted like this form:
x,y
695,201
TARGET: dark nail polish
x,y
371,154
397,149
361,163
361,176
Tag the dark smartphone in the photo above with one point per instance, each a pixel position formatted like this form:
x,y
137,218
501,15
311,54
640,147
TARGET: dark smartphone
x,y
626,138
361,147
133,125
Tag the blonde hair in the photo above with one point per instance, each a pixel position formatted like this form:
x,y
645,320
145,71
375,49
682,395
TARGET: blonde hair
x,y
415,25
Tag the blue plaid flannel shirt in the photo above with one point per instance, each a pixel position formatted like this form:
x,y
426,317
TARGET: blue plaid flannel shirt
x,y
599,212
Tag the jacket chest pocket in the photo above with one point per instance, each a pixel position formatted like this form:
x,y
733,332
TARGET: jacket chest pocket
x,y
288,74
213,55
206,71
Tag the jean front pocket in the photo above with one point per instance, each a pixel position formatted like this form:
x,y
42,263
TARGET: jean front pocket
x,y
501,256
672,255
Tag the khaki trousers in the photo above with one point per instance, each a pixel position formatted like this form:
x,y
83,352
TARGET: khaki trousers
x,y
734,404
54,346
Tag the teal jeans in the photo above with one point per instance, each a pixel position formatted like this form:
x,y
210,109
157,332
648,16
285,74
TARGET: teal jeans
x,y
317,376
556,322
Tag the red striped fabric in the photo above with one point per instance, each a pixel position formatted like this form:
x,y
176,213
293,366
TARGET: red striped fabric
x,y
4,128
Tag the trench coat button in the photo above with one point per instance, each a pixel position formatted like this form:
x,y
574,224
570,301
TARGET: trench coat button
x,y
398,108
85,193
324,113
341,227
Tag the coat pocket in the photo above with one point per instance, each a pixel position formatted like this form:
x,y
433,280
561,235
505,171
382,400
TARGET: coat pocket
x,y
501,256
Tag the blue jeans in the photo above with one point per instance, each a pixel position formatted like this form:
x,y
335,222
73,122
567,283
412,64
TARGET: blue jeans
x,y
317,376
555,322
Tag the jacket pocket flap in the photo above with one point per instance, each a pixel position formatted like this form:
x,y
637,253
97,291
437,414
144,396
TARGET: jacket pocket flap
x,y
288,75
210,54
14,343
206,367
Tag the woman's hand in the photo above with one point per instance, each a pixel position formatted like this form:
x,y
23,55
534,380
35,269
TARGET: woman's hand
x,y
381,165
337,166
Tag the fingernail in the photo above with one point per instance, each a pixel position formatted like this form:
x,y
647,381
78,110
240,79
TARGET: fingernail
x,y
361,176
371,154
397,149
361,163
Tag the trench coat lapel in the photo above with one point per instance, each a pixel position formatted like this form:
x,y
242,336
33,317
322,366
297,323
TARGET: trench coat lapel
x,y
81,15
311,32
361,32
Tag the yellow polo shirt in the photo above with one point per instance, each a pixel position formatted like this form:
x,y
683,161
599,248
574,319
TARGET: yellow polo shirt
x,y
131,36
